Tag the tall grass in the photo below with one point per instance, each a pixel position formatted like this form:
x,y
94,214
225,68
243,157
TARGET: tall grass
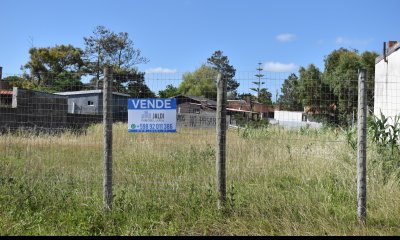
x,y
280,182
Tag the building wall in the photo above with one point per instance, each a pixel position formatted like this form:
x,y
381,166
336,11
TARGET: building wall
x,y
288,116
387,86
199,121
78,104
41,111
33,109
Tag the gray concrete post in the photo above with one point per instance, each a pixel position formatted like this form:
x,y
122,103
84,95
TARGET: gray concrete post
x,y
362,148
107,131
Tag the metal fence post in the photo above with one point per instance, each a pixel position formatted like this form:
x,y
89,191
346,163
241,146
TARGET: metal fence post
x,y
362,148
221,140
107,131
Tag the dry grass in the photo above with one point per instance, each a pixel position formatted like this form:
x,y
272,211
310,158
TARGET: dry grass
x,y
279,183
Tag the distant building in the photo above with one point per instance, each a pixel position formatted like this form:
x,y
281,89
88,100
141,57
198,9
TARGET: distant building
x,y
22,108
91,102
292,119
250,109
194,104
387,81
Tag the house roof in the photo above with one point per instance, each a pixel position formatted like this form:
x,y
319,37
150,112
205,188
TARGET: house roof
x,y
88,92
198,99
391,50
239,110
6,92
244,106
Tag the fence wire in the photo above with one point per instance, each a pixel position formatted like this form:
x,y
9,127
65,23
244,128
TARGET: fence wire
x,y
291,144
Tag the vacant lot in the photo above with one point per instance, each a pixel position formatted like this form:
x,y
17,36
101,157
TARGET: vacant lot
x,y
280,182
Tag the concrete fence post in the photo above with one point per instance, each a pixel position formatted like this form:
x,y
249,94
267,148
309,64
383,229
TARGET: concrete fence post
x,y
221,140
362,148
107,131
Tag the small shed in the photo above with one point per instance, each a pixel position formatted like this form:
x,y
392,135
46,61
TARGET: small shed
x,y
91,102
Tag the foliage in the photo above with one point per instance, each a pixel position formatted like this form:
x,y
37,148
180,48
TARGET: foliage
x,y
106,47
49,65
290,100
168,92
60,68
16,81
132,82
385,133
279,183
315,95
220,63
263,95
332,94
201,82
341,75
351,136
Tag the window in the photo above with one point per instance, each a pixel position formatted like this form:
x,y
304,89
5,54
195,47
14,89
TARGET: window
x,y
90,103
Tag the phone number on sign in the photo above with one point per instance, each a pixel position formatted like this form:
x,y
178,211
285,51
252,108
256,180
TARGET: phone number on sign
x,y
155,127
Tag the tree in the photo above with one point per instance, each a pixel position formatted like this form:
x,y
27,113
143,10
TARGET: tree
x,y
201,82
368,62
259,83
105,47
16,81
290,100
168,92
249,98
55,67
97,48
341,74
315,95
265,96
135,84
220,63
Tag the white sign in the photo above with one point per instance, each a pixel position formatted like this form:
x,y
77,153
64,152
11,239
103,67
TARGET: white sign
x,y
152,115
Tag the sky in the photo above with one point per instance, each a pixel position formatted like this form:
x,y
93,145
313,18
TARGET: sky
x,y
178,36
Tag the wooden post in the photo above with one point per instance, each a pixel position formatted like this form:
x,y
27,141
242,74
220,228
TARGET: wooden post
x,y
362,148
107,123
221,140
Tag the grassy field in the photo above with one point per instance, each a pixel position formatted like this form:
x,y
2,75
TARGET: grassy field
x,y
280,182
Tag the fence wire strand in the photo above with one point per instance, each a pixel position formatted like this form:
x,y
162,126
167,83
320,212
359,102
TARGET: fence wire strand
x,y
294,137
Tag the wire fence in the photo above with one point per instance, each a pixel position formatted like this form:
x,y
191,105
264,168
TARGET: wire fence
x,y
291,143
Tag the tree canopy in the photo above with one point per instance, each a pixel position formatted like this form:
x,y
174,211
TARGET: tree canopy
x,y
220,63
168,92
201,82
289,99
333,92
105,47
341,75
49,65
60,68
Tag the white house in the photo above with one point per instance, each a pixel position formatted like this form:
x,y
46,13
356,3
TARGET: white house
x,y
387,81
293,119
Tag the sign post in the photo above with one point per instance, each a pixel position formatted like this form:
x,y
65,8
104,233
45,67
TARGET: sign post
x,y
152,115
